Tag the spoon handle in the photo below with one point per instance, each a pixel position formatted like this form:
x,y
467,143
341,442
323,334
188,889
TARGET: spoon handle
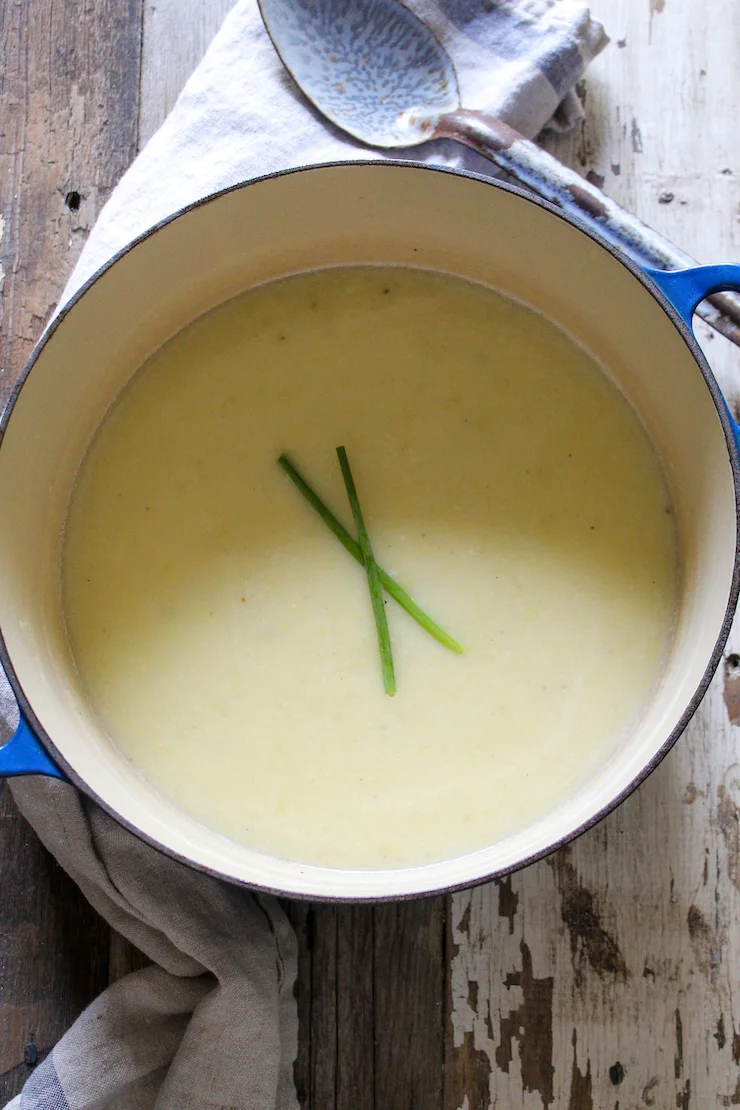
x,y
542,173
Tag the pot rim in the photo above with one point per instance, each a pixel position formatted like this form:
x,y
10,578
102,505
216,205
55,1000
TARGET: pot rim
x,y
720,405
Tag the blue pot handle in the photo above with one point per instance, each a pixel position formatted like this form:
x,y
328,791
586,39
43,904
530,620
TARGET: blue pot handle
x,y
686,288
24,755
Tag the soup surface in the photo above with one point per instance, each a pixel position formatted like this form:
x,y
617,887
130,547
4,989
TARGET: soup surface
x,y
226,639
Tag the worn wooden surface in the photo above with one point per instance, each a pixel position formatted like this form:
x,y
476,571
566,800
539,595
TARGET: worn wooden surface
x,y
601,978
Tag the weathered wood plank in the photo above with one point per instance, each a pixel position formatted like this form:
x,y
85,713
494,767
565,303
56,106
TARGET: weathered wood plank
x,y
302,918
409,1004
322,1033
176,36
356,1009
336,1045
69,86
371,990
69,89
604,976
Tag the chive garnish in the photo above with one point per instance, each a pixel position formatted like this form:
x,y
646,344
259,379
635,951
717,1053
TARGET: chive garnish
x,y
373,578
397,592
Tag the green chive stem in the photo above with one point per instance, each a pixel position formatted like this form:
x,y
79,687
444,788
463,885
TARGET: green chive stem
x,y
392,587
373,579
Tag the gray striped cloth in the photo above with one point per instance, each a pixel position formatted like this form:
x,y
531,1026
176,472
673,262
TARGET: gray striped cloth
x,y
211,1024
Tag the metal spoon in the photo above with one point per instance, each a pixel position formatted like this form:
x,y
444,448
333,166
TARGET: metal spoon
x,y
378,73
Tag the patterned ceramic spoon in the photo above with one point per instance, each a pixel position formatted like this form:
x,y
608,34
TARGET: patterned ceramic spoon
x,y
378,73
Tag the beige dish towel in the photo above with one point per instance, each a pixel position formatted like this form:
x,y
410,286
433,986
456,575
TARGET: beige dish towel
x,y
212,1025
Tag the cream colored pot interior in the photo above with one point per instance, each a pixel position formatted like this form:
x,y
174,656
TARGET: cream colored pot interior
x,y
371,213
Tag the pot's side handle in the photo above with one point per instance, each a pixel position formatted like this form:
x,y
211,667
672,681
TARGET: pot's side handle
x,y
685,289
24,755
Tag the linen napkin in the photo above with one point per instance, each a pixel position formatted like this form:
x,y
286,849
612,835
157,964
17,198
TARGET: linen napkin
x,y
212,1022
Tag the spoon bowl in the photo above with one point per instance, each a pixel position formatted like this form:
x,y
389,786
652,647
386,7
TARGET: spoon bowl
x,y
370,67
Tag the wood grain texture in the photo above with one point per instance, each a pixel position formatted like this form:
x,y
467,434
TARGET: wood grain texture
x,y
176,36
357,1068
371,1001
604,977
409,1005
69,88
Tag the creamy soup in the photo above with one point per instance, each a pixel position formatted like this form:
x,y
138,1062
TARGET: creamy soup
x,y
226,639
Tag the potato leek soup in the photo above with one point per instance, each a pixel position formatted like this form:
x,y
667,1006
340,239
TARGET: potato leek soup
x,y
227,638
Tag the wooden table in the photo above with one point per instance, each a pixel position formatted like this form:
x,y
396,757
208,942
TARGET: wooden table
x,y
606,976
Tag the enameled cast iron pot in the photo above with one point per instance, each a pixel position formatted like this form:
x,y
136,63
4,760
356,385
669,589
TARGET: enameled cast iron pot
x,y
637,325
